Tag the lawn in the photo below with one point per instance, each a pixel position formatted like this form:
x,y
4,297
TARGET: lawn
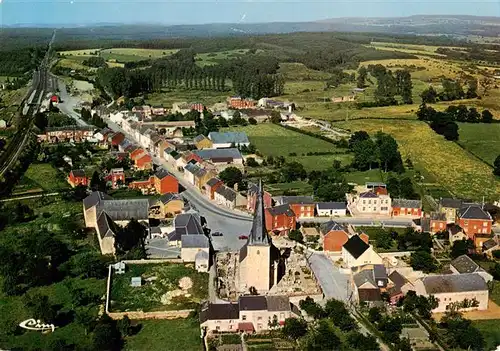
x,y
152,295
44,176
490,329
359,177
294,71
483,140
139,54
408,48
171,335
167,98
452,167
273,140
297,187
374,232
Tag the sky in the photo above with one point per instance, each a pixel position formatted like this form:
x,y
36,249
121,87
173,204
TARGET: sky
x,y
79,12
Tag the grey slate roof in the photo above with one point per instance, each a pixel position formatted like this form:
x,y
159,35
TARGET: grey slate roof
x,y
252,303
213,181
397,279
450,203
355,246
161,173
192,168
331,205
487,245
379,271
166,198
126,209
464,264
220,311
258,233
226,192
329,226
474,212
368,195
450,283
403,203
194,241
208,154
228,138
188,223
365,276
78,172
282,209
278,303
105,226
94,198
201,255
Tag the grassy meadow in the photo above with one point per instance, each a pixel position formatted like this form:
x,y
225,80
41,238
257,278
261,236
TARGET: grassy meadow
x,y
452,167
273,140
42,176
483,140
172,335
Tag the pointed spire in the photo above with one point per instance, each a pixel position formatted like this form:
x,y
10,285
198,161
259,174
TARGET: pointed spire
x,y
258,235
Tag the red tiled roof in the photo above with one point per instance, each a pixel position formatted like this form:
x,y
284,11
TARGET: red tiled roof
x,y
246,326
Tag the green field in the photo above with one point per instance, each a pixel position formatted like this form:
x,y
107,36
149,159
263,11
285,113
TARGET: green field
x,y
442,162
273,140
42,176
171,335
483,140
148,297
490,329
167,98
297,187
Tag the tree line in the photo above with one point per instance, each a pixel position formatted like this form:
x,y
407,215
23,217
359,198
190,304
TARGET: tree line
x,y
389,85
252,76
444,123
452,90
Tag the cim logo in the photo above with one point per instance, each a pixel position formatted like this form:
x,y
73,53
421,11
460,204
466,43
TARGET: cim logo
x,y
32,324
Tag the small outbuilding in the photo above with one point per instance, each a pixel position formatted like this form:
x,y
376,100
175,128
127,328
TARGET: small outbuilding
x,y
136,282
119,267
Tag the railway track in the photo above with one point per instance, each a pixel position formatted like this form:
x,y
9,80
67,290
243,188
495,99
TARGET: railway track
x,y
30,107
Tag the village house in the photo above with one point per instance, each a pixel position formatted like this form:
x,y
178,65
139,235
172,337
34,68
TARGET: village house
x,y
222,140
74,134
252,192
237,102
115,139
450,207
474,220
464,265
222,158
183,107
356,252
145,111
433,223
250,314
142,160
210,186
228,197
106,231
397,287
408,208
166,206
490,246
162,146
202,142
116,177
189,172
158,110
456,233
280,219
162,182
331,209
454,289
369,202
302,206
77,177
202,177
334,236
369,282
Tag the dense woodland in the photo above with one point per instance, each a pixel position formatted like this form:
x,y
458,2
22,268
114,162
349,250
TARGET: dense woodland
x,y
251,76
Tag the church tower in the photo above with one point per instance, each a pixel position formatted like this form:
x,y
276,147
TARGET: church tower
x,y
257,256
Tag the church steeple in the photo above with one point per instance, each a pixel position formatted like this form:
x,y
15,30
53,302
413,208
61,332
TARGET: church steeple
x,y
258,235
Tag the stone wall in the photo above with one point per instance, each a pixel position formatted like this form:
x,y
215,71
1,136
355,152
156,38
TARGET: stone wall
x,y
137,315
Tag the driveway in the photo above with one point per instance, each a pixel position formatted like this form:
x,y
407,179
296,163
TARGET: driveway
x,y
159,248
69,103
333,283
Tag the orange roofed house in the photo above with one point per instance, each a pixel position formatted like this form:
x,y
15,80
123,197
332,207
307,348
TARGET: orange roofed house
x,y
162,183
302,206
240,103
77,177
142,160
280,219
474,220
336,235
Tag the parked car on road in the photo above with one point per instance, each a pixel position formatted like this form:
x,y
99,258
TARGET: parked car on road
x,y
243,237
217,234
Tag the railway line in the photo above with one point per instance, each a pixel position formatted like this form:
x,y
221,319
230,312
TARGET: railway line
x,y
30,107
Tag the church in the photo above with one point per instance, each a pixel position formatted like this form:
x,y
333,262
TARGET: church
x,y
260,264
